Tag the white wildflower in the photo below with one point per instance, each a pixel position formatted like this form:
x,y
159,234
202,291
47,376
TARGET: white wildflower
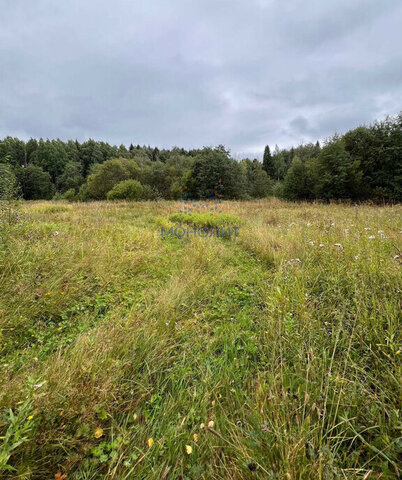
x,y
293,261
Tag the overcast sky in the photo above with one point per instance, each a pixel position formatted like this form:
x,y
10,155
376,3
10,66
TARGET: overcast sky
x,y
242,73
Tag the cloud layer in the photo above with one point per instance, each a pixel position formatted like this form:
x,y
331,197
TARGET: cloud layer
x,y
243,73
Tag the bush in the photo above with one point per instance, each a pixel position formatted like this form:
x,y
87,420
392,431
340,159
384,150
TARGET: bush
x,y
150,193
125,190
83,194
277,190
69,195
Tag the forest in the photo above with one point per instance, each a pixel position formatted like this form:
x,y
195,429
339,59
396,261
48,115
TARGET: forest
x,y
364,164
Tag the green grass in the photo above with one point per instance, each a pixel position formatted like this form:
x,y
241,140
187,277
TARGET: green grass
x,y
287,339
206,220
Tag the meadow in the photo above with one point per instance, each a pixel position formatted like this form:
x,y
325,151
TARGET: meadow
x,y
272,355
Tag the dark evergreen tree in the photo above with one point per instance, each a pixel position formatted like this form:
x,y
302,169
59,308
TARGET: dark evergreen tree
x,y
267,162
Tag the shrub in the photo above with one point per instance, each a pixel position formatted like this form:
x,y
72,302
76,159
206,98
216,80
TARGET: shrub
x,y
125,190
69,195
206,220
150,193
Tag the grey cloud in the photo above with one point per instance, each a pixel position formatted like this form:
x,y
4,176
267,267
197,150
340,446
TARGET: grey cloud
x,y
191,73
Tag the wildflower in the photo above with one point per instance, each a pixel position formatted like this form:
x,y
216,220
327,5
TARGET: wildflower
x,y
202,426
293,261
357,257
135,416
371,237
150,442
30,417
189,449
367,229
195,437
321,245
213,403
211,424
98,433
311,243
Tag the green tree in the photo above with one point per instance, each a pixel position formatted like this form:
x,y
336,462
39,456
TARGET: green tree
x,y
9,192
13,150
267,162
71,177
90,154
72,150
51,156
298,184
338,176
212,165
30,148
107,174
36,184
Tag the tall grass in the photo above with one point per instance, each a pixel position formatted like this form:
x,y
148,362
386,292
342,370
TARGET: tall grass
x,y
127,355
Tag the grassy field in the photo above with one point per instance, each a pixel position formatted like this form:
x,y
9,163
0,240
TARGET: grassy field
x,y
272,355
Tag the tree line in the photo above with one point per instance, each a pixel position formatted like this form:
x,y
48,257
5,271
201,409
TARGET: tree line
x,y
363,164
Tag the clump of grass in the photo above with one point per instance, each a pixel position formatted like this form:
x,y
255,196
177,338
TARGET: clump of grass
x,y
206,220
55,208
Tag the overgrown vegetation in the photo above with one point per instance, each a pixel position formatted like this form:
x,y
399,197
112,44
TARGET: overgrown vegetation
x,y
364,164
275,355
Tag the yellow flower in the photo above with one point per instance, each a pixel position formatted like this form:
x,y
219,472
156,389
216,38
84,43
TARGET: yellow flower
x,y
150,442
30,417
202,426
211,424
195,437
135,416
189,449
98,432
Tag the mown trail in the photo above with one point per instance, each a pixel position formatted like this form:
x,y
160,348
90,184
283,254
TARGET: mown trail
x,y
265,356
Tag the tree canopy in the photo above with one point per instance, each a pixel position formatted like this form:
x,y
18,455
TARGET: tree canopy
x,y
363,164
